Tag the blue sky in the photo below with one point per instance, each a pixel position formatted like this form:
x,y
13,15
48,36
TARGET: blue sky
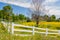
x,y
16,9
21,6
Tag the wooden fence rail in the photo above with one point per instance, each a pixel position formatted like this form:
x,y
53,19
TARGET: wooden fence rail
x,y
33,31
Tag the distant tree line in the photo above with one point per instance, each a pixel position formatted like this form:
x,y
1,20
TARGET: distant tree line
x,y
6,14
51,18
47,18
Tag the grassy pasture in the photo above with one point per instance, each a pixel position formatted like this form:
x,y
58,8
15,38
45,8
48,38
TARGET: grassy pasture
x,y
4,35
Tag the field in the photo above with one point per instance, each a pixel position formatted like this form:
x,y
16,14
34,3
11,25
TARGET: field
x,y
50,25
4,35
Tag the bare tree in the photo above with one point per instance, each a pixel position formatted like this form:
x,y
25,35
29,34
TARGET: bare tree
x,y
37,10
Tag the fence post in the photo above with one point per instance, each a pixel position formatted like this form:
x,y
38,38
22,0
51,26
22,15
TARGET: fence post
x,y
59,32
8,27
33,30
46,31
12,28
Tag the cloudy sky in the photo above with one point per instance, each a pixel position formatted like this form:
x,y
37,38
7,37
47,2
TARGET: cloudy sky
x,y
53,6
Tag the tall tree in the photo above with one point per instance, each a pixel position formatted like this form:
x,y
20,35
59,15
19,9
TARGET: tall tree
x,y
53,18
37,10
7,12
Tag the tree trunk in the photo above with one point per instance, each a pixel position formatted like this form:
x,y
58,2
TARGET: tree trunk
x,y
37,22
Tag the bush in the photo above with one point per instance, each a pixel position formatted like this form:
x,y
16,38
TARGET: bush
x,y
2,27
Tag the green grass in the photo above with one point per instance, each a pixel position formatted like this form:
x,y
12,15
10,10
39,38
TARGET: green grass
x,y
4,35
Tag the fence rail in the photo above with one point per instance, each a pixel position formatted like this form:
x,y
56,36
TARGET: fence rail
x,y
33,31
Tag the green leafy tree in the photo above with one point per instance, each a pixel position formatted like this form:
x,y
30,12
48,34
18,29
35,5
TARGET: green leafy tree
x,y
1,15
7,12
53,18
58,20
46,17
28,19
13,17
22,17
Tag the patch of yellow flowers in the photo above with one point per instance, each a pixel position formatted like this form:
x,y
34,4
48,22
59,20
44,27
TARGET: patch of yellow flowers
x,y
44,24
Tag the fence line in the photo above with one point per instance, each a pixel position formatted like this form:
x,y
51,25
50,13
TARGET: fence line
x,y
33,31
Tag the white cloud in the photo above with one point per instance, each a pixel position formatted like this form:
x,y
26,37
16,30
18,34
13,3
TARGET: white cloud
x,y
51,0
18,3
26,5
47,2
54,12
23,3
51,9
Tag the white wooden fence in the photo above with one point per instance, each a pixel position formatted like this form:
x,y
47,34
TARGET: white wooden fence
x,y
33,31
